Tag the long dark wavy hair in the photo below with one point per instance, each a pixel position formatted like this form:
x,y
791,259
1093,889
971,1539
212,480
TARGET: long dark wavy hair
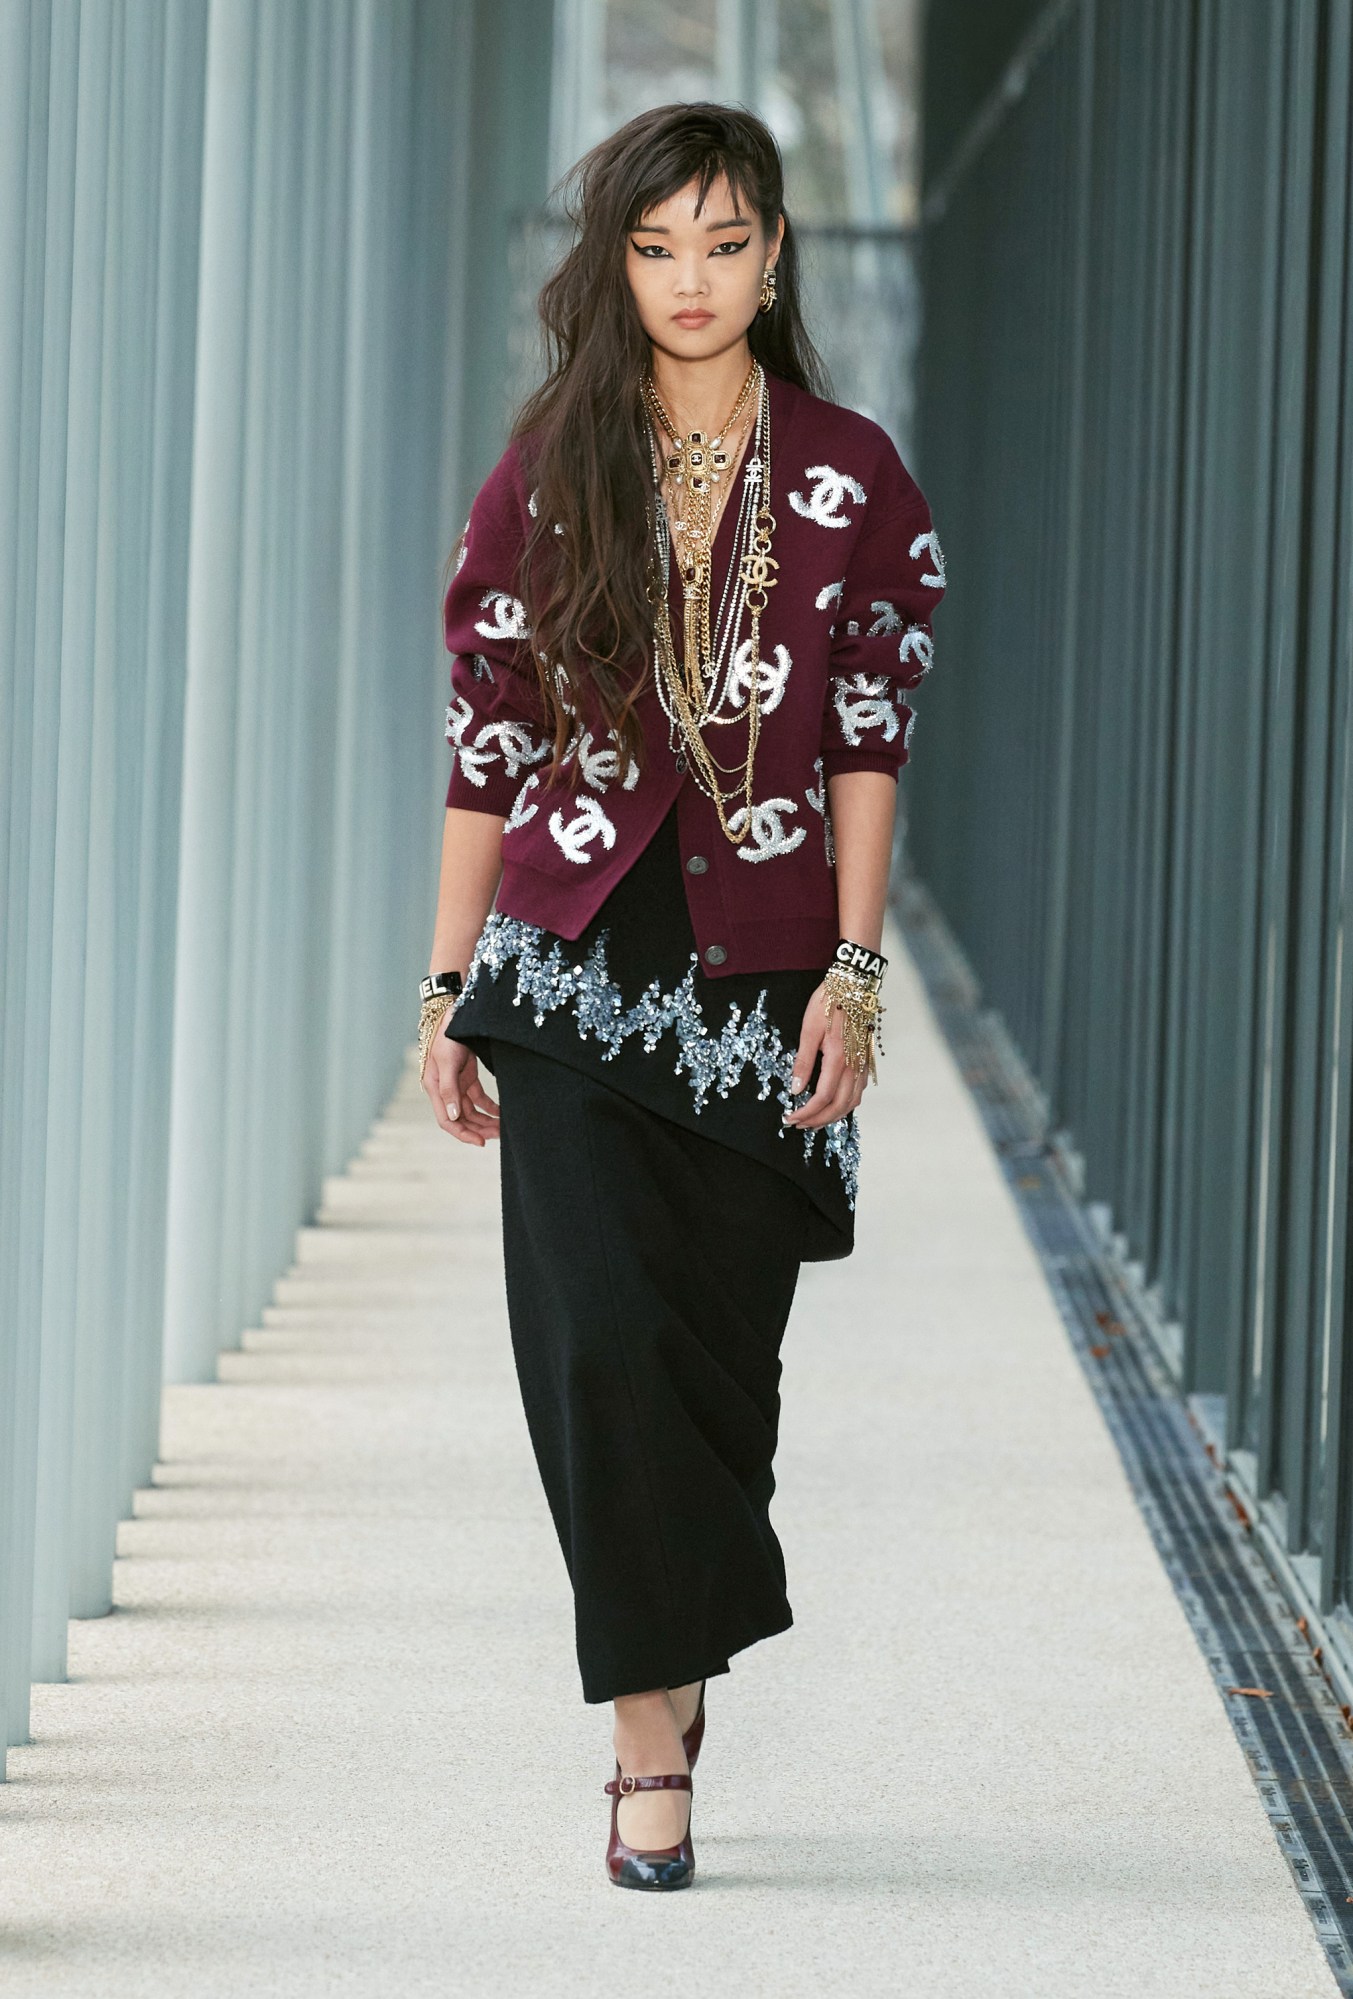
x,y
583,433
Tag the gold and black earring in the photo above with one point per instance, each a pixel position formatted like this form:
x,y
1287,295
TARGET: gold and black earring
x,y
768,290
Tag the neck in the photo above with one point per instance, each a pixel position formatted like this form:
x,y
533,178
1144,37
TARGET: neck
x,y
700,394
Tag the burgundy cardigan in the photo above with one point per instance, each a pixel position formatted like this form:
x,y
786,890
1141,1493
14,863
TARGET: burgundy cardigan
x,y
846,629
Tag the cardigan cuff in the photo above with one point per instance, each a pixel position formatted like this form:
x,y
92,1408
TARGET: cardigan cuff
x,y
837,761
497,794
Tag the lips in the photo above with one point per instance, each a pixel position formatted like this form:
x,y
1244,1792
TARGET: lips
x,y
692,318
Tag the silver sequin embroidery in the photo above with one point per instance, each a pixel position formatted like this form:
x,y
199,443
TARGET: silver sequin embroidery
x,y
712,1062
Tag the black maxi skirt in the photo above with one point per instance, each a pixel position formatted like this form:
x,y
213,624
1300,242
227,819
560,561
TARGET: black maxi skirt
x,y
655,1215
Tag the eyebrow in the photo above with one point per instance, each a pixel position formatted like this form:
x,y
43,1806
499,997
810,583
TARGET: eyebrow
x,y
661,229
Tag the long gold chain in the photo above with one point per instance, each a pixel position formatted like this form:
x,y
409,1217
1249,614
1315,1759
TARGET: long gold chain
x,y
688,692
697,464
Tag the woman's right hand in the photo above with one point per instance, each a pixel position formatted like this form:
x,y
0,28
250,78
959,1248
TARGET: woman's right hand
x,y
459,1100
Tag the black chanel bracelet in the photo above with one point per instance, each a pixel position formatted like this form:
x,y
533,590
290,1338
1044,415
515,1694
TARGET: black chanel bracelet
x,y
441,982
857,958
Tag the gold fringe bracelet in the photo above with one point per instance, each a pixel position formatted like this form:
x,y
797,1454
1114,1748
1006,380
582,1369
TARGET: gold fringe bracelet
x,y
436,1006
861,1017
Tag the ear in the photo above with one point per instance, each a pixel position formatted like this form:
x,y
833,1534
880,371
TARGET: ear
x,y
773,243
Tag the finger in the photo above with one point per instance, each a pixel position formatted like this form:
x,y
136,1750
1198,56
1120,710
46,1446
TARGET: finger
x,y
833,1062
446,1087
468,1125
841,1106
810,1041
859,1080
477,1096
437,1094
472,1119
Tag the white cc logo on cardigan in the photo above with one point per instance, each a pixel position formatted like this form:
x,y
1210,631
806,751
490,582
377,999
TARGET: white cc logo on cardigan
x,y
824,503
772,677
887,618
518,746
863,703
916,644
514,742
931,541
588,823
769,837
521,811
509,616
602,767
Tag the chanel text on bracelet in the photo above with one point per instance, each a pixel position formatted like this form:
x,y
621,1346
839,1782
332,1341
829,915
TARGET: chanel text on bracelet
x,y
857,958
440,982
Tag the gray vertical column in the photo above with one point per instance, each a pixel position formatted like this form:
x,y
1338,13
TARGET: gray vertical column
x,y
28,187
73,1244
745,50
509,155
859,67
578,61
201,984
174,199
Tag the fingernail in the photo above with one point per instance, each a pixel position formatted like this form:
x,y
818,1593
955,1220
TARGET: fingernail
x,y
453,1110
795,1085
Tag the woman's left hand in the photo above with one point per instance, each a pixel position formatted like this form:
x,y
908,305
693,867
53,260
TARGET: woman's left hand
x,y
839,1087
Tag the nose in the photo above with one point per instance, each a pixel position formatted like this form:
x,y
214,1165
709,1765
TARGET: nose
x,y
692,279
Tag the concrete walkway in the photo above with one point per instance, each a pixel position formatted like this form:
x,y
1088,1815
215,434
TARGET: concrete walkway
x,y
331,1740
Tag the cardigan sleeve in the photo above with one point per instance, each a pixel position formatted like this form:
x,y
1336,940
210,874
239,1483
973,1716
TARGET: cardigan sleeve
x,y
495,718
882,641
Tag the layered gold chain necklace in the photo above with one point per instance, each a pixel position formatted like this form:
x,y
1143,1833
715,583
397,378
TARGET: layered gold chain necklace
x,y
694,691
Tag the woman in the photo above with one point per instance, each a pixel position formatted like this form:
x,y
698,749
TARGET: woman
x,y
683,613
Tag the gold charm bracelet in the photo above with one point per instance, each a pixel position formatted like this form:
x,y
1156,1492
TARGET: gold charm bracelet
x,y
439,993
852,987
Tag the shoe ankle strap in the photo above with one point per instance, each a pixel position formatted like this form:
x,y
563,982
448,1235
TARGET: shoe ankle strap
x,y
623,1786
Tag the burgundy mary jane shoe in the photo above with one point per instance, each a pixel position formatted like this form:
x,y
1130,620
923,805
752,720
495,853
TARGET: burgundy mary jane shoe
x,y
663,1867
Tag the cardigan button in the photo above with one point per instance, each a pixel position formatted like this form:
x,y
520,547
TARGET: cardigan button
x,y
697,865
715,954
681,763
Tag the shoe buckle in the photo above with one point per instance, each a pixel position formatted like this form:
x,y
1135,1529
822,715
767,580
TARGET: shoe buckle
x,y
626,1786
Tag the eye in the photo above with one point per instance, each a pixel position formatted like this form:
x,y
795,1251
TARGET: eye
x,y
649,249
719,248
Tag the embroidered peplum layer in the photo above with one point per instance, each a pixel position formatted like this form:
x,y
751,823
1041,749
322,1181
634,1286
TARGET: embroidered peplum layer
x,y
627,1000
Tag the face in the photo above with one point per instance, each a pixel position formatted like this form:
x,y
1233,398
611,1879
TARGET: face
x,y
696,279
